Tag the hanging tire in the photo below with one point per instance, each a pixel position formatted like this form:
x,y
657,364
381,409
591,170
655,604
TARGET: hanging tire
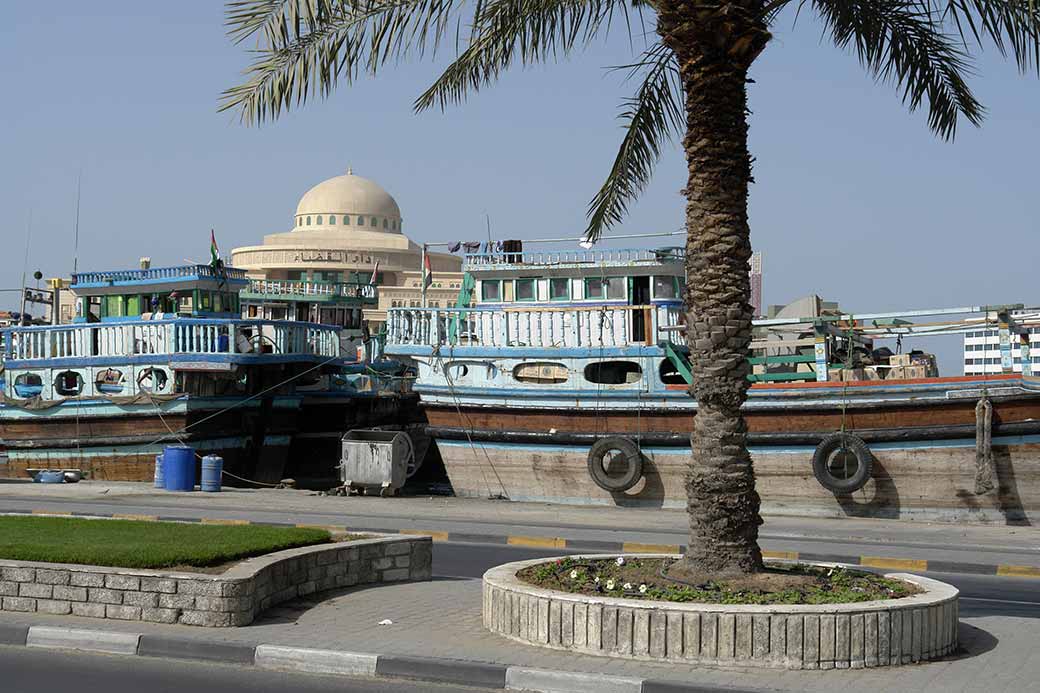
x,y
842,463
605,476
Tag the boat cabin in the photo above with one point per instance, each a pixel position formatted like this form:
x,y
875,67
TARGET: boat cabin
x,y
151,293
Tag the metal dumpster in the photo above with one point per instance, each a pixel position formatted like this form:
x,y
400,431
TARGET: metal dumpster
x,y
375,459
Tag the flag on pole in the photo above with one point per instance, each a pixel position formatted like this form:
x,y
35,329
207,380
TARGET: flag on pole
x,y
375,271
427,272
214,252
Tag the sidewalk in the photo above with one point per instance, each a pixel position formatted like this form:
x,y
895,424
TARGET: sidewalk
x,y
902,544
441,619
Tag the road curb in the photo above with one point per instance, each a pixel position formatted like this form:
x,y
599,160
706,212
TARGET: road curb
x,y
315,661
578,544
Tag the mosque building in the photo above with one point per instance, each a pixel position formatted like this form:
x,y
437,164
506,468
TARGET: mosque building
x,y
344,228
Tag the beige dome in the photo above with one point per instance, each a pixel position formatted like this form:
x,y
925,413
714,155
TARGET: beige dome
x,y
346,202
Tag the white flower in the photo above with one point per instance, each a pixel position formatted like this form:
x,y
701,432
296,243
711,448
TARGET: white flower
x,y
597,579
627,585
574,575
642,589
620,560
610,584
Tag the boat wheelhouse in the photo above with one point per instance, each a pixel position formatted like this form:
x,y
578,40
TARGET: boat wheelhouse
x,y
161,355
576,396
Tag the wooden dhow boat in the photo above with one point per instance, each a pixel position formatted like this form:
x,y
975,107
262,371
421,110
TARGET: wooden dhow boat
x,y
567,382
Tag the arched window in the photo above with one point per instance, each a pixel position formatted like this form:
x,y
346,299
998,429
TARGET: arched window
x,y
393,225
360,221
375,222
332,220
319,221
384,223
308,221
346,220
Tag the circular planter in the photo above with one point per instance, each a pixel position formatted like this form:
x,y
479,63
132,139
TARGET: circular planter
x,y
802,636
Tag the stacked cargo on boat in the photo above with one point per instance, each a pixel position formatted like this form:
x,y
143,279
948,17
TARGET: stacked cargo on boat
x,y
565,378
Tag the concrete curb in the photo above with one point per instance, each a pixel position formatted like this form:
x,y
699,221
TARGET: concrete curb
x,y
572,544
313,661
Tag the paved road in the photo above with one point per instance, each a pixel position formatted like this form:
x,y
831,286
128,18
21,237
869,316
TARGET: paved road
x,y
27,670
981,595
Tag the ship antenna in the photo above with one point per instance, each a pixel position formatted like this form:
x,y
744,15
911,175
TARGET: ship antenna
x,y
75,243
25,266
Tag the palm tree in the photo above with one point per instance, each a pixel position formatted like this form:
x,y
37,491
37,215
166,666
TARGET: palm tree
x,y
692,83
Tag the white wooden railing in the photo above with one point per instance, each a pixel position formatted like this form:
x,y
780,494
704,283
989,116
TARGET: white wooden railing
x,y
532,327
281,287
605,256
183,336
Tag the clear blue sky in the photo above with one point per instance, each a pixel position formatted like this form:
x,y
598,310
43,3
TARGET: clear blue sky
x,y
854,199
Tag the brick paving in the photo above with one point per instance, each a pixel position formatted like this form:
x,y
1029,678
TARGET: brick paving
x,y
442,619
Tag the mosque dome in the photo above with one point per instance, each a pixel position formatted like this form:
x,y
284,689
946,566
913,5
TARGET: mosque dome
x,y
348,201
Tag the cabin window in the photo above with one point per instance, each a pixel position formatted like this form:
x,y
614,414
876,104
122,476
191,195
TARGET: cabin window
x,y
28,385
617,288
218,302
542,372
113,306
68,383
346,221
491,290
109,381
613,372
665,287
559,289
319,221
595,287
670,375
526,289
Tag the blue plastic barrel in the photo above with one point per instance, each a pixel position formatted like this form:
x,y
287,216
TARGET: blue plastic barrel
x,y
212,470
160,482
179,468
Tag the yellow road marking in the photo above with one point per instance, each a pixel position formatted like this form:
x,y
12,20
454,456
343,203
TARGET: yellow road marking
x,y
52,512
538,542
128,516
893,563
437,536
222,521
636,547
1018,571
785,555
327,528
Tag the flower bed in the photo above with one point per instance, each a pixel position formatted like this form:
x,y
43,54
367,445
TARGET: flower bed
x,y
644,578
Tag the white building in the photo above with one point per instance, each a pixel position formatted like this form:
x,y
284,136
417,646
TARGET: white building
x,y
982,348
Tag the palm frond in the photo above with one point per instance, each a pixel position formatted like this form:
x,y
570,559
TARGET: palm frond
x,y
1012,25
528,31
651,117
307,46
906,42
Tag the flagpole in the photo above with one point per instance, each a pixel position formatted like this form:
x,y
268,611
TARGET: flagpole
x,y
422,275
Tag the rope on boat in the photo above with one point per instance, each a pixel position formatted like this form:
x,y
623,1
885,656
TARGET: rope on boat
x,y
984,469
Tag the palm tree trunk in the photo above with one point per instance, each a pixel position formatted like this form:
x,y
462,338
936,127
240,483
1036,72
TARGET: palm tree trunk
x,y
715,45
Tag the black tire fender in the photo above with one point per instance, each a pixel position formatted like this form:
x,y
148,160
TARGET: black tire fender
x,y
633,464
834,443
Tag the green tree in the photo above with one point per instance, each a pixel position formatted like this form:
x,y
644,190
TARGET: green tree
x,y
692,85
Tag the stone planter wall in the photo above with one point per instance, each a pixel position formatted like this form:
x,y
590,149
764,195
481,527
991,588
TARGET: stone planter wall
x,y
828,636
233,598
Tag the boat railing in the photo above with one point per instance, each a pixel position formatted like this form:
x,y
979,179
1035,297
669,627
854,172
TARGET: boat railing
x,y
153,273
606,256
539,327
177,337
287,287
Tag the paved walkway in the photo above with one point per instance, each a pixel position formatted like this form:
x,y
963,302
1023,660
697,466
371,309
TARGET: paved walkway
x,y
442,619
463,517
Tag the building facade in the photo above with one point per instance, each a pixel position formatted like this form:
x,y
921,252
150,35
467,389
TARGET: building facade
x,y
982,349
344,229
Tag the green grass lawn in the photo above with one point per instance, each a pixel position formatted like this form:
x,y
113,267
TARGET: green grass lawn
x,y
137,544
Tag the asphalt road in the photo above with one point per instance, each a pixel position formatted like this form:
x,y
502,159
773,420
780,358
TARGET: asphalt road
x,y
29,670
